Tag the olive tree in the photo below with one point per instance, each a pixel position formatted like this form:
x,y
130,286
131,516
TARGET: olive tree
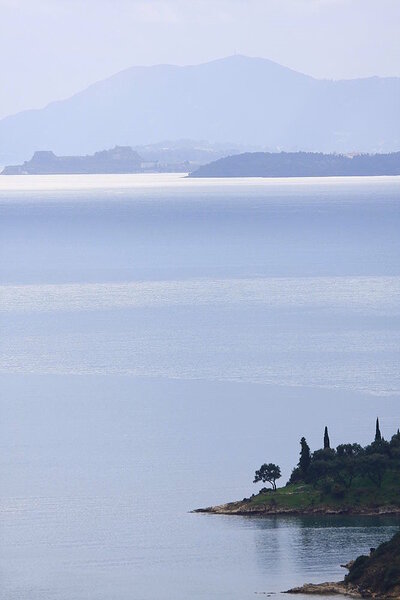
x,y
268,473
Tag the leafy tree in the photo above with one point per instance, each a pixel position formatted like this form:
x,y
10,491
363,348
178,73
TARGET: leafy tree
x,y
374,466
318,472
324,454
268,473
327,443
296,476
305,456
345,468
352,450
395,447
379,447
346,463
395,441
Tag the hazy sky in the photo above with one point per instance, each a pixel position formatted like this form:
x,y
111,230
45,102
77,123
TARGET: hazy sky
x,y
50,49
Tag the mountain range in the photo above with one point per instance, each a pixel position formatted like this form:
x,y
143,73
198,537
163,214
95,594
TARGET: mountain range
x,y
238,100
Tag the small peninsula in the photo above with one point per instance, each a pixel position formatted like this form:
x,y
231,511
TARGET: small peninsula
x,y
300,164
349,479
121,159
373,576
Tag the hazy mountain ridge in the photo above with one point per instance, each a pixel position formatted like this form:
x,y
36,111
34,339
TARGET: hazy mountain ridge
x,y
240,100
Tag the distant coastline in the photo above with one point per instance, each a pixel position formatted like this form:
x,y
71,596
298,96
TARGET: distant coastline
x,y
121,159
125,160
300,164
179,156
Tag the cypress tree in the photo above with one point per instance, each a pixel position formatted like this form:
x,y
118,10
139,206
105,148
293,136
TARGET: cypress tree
x,y
378,435
305,456
327,443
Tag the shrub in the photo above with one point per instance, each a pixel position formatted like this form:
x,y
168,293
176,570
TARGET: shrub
x,y
338,491
326,486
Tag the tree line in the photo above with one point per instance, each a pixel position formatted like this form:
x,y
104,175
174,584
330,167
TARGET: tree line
x,y
341,466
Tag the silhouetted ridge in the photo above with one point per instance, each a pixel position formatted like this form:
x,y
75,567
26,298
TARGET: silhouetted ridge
x,y
300,164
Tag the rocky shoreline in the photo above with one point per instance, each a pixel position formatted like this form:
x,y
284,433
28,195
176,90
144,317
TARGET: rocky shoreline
x,y
247,509
341,588
327,589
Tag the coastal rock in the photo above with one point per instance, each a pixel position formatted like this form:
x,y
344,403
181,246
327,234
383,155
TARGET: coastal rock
x,y
373,576
326,589
248,508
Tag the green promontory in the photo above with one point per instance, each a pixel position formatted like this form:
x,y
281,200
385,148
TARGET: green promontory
x,y
348,479
301,498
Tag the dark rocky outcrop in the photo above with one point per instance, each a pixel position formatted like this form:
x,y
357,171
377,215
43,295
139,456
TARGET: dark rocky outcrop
x,y
373,576
326,589
378,573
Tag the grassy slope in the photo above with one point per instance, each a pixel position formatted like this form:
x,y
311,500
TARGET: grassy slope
x,y
362,495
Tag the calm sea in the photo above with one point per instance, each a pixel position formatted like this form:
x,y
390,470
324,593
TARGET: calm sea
x,y
160,339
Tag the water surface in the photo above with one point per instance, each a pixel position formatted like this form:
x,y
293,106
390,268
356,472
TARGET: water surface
x,y
162,337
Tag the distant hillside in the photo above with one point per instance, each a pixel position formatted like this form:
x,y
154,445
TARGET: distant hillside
x,y
121,159
195,152
243,101
169,156
300,164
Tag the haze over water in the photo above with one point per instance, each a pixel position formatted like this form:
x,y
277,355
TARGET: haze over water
x,y
161,337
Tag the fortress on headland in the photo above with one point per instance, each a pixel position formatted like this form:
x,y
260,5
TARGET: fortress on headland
x,y
121,159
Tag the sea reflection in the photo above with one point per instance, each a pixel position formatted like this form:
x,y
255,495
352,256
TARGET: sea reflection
x,y
314,547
